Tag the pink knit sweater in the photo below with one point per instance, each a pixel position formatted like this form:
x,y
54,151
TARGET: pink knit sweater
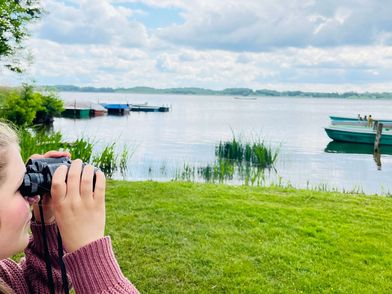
x,y
92,269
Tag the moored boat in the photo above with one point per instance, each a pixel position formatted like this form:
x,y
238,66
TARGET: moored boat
x,y
358,134
340,120
148,108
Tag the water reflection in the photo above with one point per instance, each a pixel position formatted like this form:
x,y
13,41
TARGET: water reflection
x,y
355,148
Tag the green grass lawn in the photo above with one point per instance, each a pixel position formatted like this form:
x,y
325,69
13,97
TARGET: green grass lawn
x,y
200,238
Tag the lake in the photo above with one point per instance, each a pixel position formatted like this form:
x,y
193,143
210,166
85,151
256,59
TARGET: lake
x,y
162,143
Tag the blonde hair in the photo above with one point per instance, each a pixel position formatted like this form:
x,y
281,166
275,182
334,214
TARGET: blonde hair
x,y
8,136
5,289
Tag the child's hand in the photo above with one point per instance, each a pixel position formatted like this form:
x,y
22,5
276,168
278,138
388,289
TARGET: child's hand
x,y
79,211
46,201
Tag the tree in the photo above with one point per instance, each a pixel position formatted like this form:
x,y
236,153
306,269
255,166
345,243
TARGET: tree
x,y
27,107
50,106
15,15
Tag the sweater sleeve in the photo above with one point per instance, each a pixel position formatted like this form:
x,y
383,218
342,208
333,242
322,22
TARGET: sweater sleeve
x,y
11,275
94,269
34,267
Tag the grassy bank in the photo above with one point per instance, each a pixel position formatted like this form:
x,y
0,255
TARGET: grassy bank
x,y
203,238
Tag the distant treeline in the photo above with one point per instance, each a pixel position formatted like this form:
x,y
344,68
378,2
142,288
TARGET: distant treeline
x,y
228,91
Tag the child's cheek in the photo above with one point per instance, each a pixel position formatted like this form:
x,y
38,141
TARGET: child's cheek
x,y
22,211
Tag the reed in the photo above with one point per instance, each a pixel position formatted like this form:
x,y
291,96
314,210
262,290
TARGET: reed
x,y
38,142
255,153
107,160
222,170
35,141
124,158
82,149
187,173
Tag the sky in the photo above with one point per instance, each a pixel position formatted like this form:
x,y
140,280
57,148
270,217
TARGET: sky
x,y
304,45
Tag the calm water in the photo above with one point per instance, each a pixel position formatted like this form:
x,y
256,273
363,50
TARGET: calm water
x,y
163,142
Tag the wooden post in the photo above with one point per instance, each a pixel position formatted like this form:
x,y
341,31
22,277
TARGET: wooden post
x,y
378,137
375,125
377,153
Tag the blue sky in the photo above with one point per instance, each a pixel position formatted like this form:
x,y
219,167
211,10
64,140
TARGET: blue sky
x,y
154,17
276,44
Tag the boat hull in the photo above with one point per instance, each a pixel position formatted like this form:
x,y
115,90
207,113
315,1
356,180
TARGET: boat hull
x,y
144,108
366,136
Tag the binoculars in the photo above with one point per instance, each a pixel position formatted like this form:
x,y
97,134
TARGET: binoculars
x,y
39,173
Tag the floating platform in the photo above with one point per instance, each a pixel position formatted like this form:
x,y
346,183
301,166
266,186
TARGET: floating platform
x,y
116,108
98,110
75,112
148,108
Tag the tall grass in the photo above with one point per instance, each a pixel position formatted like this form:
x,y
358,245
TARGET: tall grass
x,y
82,149
222,170
40,141
235,160
107,160
255,153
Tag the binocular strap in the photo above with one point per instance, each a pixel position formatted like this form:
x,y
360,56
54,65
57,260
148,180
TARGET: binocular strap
x,y
47,256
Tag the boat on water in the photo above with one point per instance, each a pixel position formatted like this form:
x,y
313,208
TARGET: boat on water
x,y
245,98
340,120
148,108
358,134
356,119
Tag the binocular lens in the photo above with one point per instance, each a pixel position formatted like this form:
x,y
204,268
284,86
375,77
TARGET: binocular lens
x,y
39,173
33,184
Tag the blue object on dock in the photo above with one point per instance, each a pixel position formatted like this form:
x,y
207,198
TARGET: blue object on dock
x,y
116,108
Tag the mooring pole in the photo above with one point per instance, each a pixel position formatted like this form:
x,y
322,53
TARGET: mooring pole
x,y
377,153
378,137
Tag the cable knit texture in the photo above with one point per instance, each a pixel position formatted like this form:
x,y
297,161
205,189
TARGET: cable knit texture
x,y
93,268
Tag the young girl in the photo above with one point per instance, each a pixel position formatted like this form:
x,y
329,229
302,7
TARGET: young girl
x,y
75,209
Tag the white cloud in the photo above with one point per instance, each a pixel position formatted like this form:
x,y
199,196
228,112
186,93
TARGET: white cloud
x,y
91,22
258,44
251,25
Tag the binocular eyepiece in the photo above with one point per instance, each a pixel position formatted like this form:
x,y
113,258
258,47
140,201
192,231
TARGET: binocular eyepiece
x,y
39,173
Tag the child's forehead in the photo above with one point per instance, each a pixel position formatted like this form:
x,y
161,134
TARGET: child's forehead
x,y
14,161
14,167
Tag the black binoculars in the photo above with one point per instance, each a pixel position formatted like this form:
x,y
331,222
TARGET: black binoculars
x,y
39,173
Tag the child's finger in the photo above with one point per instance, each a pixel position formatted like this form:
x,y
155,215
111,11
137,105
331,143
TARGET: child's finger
x,y
74,176
100,186
86,185
54,153
59,187
36,156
